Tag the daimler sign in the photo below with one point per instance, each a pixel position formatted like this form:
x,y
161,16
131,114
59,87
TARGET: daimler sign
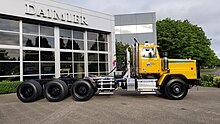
x,y
53,14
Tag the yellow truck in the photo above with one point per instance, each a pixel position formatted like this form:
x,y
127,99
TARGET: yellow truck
x,y
147,73
173,76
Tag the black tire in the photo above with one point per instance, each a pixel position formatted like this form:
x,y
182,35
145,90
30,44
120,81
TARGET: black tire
x,y
176,89
55,90
29,91
82,90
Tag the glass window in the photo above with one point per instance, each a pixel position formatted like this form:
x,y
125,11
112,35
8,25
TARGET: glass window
x,y
103,46
31,68
78,45
65,43
47,76
93,57
9,38
47,42
102,37
148,53
92,45
30,41
30,28
103,67
65,33
65,56
10,78
66,68
9,54
47,56
78,67
30,77
103,57
93,74
104,73
130,29
47,68
9,25
93,67
78,35
79,75
9,68
30,55
46,30
92,36
78,56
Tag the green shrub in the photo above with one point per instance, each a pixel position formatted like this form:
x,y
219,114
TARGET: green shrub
x,y
216,81
207,80
8,86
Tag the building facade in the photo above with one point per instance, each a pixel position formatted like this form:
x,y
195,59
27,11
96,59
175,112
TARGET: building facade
x,y
141,26
44,39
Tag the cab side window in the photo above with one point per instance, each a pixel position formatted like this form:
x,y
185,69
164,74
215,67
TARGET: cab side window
x,y
148,53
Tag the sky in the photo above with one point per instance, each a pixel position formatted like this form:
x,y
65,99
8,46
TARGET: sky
x,y
204,13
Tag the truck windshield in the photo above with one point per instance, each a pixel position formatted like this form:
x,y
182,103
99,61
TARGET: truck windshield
x,y
148,53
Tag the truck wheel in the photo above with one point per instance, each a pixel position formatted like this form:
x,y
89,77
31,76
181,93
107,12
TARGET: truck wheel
x,y
176,89
29,91
82,90
55,90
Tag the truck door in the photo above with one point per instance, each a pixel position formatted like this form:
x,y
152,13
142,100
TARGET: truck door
x,y
149,61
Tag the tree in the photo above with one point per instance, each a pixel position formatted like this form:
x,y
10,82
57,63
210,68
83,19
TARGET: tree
x,y
120,51
181,39
120,55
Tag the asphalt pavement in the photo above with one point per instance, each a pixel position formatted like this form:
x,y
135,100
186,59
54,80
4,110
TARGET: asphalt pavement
x,y
201,105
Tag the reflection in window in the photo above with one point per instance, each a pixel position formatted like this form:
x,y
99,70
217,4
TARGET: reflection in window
x,y
78,35
130,29
30,41
78,45
30,77
93,67
47,76
92,36
30,55
66,68
9,38
102,37
65,43
78,57
92,45
65,33
93,57
103,57
65,56
103,46
30,28
9,54
93,74
78,67
31,68
14,78
9,25
47,56
47,42
46,30
103,67
9,68
79,75
47,68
